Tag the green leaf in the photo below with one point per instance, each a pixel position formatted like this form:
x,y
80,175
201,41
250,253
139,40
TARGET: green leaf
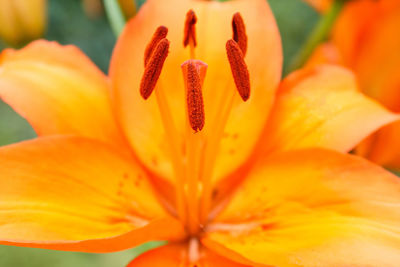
x,y
13,128
68,24
295,20
396,172
31,257
319,34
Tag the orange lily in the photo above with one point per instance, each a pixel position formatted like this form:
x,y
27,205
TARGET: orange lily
x,y
22,20
228,176
365,39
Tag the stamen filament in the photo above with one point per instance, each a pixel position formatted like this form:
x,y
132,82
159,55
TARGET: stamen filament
x,y
172,133
212,149
154,58
194,144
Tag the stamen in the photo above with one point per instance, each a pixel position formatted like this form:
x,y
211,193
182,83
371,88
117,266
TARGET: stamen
x,y
153,68
158,35
239,32
194,72
239,69
190,29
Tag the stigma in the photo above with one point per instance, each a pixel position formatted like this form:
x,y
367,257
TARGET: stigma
x,y
189,36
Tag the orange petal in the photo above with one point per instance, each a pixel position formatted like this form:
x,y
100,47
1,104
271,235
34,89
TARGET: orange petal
x,y
357,24
326,53
312,207
321,107
366,34
383,147
378,59
147,134
58,90
174,255
72,193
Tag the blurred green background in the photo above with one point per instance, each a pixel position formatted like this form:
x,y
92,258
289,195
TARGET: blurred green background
x,y
68,24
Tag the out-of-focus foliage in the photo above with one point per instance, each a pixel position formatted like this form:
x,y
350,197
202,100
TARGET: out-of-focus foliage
x,y
68,24
31,257
295,20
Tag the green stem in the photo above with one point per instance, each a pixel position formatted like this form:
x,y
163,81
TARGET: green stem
x,y
318,35
115,16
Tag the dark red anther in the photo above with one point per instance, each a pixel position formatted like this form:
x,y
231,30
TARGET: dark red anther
x,y
194,72
158,35
239,69
153,68
239,32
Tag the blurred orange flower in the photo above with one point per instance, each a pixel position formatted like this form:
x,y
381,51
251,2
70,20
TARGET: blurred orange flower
x,y
95,8
366,40
22,20
128,7
230,176
321,5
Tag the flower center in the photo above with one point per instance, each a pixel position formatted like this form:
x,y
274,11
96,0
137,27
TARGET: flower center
x,y
193,165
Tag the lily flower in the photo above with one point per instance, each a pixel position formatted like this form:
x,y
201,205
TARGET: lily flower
x,y
202,150
21,20
365,40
